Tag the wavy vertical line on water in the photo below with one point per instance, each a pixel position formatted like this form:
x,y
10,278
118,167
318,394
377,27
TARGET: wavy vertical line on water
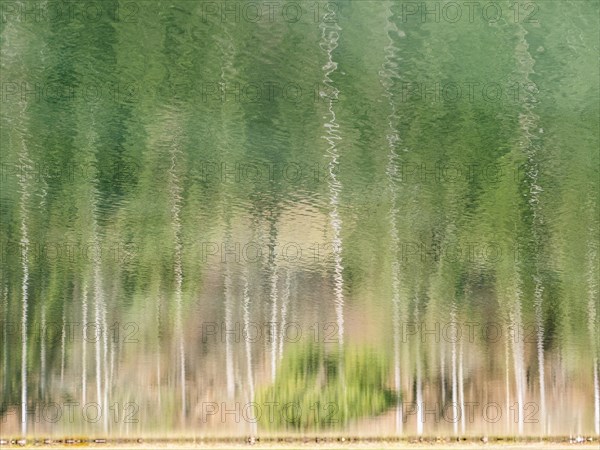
x,y
228,51
592,256
25,162
44,192
284,307
84,314
5,339
529,123
507,379
518,353
112,366
107,383
456,353
229,373
461,387
329,42
273,296
158,350
98,296
63,348
227,71
98,302
443,374
388,72
175,198
419,377
248,344
43,353
97,346
454,370
99,308
596,397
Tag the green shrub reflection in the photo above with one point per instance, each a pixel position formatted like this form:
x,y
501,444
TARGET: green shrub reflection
x,y
315,388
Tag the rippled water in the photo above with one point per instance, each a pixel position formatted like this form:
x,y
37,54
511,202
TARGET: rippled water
x,y
366,218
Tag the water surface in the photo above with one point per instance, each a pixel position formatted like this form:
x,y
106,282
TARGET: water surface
x,y
358,218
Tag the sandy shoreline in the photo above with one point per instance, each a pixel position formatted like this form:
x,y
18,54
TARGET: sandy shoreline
x,y
327,444
406,446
